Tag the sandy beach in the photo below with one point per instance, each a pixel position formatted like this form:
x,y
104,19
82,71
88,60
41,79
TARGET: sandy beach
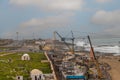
x,y
115,67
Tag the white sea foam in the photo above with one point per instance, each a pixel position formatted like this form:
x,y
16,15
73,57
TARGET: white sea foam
x,y
101,48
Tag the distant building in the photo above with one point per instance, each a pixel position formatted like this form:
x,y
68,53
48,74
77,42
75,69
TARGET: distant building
x,y
40,42
25,57
57,45
36,75
5,42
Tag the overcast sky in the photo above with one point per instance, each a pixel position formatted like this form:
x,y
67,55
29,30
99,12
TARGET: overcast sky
x,y
39,18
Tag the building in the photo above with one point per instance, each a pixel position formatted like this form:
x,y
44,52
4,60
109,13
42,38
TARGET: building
x,y
25,57
19,77
36,74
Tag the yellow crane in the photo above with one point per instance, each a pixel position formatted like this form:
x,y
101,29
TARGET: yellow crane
x,y
93,58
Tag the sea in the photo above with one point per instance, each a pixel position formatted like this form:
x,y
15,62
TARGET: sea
x,y
103,45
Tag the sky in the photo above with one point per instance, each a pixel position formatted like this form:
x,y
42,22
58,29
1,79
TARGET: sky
x,y
40,18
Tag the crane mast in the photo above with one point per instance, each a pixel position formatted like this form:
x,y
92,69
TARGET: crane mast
x,y
64,40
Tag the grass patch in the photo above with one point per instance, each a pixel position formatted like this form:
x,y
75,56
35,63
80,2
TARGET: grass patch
x,y
3,53
12,65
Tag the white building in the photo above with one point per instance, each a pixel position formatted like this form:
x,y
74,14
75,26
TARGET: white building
x,y
25,57
19,77
36,75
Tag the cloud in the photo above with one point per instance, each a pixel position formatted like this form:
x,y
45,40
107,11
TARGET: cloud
x,y
64,17
103,1
113,30
50,21
43,24
51,4
108,18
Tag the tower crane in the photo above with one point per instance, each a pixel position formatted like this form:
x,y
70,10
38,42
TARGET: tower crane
x,y
64,40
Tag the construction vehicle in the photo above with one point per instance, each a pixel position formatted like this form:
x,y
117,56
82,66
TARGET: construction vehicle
x,y
93,58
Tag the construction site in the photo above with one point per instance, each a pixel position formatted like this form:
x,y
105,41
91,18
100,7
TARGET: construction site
x,y
72,64
59,39
66,60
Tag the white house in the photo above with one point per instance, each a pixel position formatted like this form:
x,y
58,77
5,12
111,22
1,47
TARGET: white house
x,y
19,77
36,75
25,57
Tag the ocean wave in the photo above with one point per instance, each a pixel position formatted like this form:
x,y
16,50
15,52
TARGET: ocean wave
x,y
99,48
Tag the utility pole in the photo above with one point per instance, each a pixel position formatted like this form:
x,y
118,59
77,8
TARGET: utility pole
x,y
17,35
34,42
33,36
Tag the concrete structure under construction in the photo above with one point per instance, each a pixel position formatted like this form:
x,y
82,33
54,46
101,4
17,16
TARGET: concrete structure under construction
x,y
70,70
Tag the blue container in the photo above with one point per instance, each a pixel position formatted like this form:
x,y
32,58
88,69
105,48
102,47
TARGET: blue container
x,y
75,77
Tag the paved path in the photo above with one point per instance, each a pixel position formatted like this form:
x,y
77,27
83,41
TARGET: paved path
x,y
52,66
7,54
